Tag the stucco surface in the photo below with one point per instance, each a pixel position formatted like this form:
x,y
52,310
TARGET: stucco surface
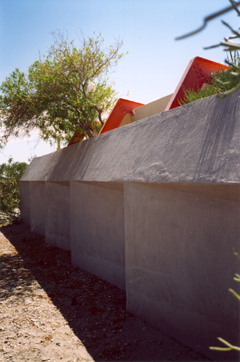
x,y
180,262
57,230
198,142
37,205
25,202
97,230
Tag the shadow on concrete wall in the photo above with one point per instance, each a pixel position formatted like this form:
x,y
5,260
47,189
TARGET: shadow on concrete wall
x,y
217,140
94,308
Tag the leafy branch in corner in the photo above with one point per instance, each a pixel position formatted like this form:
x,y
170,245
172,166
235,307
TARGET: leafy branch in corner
x,y
229,46
229,346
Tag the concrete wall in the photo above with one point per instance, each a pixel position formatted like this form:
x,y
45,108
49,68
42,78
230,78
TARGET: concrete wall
x,y
57,231
38,207
25,202
153,207
180,262
98,230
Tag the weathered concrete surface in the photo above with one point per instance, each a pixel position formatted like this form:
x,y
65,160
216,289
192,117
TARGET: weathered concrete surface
x,y
198,142
180,262
97,227
25,202
38,207
57,230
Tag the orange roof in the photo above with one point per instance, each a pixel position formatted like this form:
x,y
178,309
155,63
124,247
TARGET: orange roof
x,y
195,75
122,107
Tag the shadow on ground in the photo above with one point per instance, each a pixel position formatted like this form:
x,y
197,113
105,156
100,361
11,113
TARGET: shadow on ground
x,y
94,308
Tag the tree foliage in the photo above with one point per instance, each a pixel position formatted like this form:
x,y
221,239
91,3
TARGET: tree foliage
x,y
230,46
54,95
10,175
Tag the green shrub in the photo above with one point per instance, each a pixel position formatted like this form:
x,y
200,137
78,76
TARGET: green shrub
x,y
217,83
10,175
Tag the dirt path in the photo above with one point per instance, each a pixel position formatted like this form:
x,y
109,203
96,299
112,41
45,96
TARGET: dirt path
x,y
52,311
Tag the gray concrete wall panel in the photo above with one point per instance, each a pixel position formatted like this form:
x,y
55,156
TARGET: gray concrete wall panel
x,y
57,225
25,202
98,230
180,263
37,207
91,160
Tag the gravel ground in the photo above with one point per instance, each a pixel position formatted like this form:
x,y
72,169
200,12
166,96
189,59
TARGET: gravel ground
x,y
53,311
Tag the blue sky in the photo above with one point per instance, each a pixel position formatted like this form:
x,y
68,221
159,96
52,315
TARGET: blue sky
x,y
148,28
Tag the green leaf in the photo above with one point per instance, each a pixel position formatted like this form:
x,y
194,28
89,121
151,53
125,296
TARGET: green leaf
x,y
221,349
236,295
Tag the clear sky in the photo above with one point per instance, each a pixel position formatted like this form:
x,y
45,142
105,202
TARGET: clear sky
x,y
155,62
